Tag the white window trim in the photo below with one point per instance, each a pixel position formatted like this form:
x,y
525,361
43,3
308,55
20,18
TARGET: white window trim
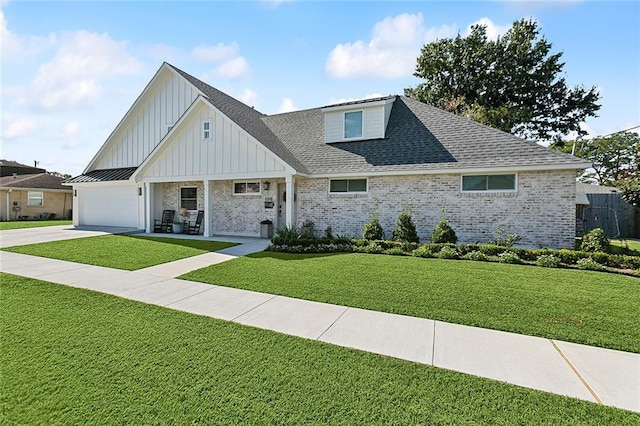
x,y
489,191
180,198
246,194
348,192
203,131
344,131
29,199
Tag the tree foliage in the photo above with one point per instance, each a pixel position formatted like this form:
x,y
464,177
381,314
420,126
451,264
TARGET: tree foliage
x,y
512,83
615,161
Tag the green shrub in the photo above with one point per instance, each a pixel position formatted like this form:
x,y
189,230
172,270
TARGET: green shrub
x,y
589,264
405,230
569,257
423,251
548,261
447,253
444,233
308,229
396,251
371,248
478,256
595,240
328,233
286,236
492,249
373,230
510,257
506,241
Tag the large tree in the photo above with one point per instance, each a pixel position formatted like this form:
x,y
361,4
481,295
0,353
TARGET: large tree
x,y
615,161
513,83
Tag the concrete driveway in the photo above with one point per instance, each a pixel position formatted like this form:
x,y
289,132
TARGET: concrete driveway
x,y
21,237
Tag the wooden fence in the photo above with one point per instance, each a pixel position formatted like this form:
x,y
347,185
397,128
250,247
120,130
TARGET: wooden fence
x,y
613,214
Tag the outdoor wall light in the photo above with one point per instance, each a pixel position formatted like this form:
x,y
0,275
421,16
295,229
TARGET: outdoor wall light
x,y
266,185
139,191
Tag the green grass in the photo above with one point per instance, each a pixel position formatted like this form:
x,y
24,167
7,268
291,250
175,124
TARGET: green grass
x,y
587,307
71,356
32,224
631,247
121,251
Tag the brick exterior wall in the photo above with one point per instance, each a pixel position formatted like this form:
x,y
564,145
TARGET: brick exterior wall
x,y
542,211
171,197
240,214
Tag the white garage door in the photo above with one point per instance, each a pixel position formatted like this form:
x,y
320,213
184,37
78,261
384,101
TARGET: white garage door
x,y
109,206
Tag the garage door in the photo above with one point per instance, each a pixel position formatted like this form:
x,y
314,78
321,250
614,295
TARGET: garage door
x,y
109,206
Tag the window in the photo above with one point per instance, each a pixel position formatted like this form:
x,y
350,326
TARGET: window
x,y
348,185
246,188
35,198
189,198
353,124
206,130
489,183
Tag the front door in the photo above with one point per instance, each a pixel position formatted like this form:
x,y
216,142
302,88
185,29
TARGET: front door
x,y
282,205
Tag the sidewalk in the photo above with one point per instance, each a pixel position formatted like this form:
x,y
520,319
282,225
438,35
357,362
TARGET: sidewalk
x,y
594,374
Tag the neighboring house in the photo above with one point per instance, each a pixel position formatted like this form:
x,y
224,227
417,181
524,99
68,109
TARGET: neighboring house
x,y
34,196
185,144
605,208
9,168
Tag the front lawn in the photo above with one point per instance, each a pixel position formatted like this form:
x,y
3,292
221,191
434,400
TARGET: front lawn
x,y
586,307
72,356
21,224
121,251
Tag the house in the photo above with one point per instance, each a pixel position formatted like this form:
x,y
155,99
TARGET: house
x,y
9,168
32,195
185,144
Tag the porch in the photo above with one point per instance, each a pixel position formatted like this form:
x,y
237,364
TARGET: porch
x,y
233,208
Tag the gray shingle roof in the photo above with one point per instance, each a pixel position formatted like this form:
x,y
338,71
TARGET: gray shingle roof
x,y
104,175
34,181
418,137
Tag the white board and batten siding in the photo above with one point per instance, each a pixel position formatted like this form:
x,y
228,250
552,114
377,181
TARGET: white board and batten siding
x,y
231,151
160,107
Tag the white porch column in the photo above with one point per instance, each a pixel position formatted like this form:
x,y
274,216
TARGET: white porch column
x,y
207,209
148,206
291,197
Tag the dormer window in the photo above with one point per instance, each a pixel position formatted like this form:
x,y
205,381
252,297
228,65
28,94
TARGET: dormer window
x,y
353,124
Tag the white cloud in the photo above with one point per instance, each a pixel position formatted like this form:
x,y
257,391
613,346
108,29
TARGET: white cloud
x,y
73,77
70,133
395,44
15,127
286,105
233,68
219,52
249,97
493,30
15,48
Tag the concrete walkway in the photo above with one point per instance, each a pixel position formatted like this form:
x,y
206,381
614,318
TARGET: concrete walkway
x,y
593,374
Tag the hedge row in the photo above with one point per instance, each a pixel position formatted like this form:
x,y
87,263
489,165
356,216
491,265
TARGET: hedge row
x,y
485,252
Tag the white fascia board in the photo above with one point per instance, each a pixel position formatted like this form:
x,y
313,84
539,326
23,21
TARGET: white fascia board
x,y
128,114
477,170
359,105
220,176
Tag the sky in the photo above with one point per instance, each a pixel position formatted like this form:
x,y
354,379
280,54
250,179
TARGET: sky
x,y
71,70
